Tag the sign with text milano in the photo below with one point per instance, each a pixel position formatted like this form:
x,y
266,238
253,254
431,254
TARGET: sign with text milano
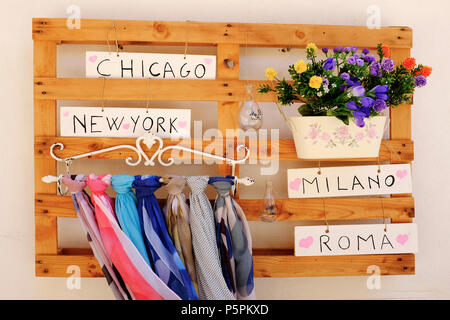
x,y
349,181
149,65
356,239
124,122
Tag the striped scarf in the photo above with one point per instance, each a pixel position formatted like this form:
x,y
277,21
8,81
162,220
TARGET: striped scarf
x,y
234,240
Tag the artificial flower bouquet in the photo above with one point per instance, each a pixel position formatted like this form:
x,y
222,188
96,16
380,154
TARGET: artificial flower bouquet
x,y
347,84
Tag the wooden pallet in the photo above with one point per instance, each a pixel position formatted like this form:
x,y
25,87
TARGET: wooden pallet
x,y
227,90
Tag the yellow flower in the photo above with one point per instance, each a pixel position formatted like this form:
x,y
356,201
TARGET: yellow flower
x,y
300,66
315,82
270,73
312,46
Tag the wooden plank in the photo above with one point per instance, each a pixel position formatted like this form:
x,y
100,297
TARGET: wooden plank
x,y
137,89
400,209
46,229
395,150
282,263
210,33
227,111
400,117
267,263
56,265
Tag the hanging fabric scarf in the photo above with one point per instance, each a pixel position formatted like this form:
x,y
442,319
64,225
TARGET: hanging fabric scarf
x,y
137,274
127,213
165,259
176,213
234,240
211,283
85,213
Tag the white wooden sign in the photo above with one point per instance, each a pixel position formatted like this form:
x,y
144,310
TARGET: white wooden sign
x,y
149,65
349,181
356,239
124,122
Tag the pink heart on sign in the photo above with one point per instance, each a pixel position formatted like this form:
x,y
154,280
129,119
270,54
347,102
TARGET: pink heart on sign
x,y
126,126
92,58
295,184
182,124
402,238
401,173
306,242
207,60
66,114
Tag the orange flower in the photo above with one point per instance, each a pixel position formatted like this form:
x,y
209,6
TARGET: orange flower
x,y
426,71
386,51
409,63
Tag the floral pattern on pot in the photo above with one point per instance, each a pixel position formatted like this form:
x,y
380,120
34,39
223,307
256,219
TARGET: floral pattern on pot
x,y
341,135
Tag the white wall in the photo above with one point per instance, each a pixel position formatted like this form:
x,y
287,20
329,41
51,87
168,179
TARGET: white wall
x,y
431,115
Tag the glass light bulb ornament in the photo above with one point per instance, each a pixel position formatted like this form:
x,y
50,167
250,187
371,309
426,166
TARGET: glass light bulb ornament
x,y
269,213
250,115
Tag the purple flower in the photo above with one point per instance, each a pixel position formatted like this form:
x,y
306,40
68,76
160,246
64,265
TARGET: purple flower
x,y
359,118
358,91
367,102
345,76
356,55
338,49
351,105
343,88
354,49
359,62
366,111
420,81
365,51
379,105
351,60
380,91
347,49
375,69
382,96
353,81
325,81
380,88
329,64
370,58
325,49
388,65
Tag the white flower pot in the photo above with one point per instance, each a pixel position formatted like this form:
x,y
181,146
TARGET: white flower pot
x,y
329,137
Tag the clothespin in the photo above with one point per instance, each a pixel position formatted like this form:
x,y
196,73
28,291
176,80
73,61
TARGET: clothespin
x,y
51,179
246,181
57,179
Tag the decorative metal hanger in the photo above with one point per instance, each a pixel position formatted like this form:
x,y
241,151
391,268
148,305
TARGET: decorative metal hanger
x,y
149,140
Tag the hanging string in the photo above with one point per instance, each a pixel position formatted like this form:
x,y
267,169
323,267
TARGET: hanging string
x,y
325,214
102,101
148,96
384,218
246,54
390,156
186,39
115,35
